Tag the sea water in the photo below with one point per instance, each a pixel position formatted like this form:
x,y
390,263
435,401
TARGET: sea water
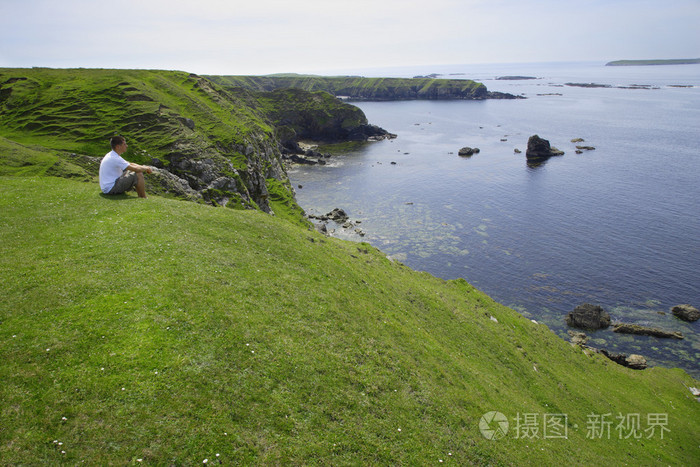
x,y
617,226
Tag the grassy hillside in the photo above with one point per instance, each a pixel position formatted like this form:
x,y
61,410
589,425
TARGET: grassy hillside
x,y
170,332
78,110
216,141
362,88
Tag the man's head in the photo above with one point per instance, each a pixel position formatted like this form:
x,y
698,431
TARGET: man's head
x,y
118,144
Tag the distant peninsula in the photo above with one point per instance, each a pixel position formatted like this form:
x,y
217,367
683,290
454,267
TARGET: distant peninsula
x,y
678,61
366,89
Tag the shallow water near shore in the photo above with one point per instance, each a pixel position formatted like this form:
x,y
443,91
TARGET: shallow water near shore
x,y
616,226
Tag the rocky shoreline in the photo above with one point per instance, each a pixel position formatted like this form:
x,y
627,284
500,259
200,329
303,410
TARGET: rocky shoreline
x,y
591,317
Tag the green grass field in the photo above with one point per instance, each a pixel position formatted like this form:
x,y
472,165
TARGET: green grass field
x,y
166,332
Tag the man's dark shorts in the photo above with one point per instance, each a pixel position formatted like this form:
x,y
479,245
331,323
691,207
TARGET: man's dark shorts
x,y
124,183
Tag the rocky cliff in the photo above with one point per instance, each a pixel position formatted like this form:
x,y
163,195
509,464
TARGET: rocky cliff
x,y
210,144
359,88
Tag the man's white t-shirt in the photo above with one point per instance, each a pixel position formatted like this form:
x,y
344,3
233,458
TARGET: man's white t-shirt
x,y
111,168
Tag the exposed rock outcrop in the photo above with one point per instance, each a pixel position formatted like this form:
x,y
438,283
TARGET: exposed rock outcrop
x,y
588,316
368,132
578,338
539,149
317,116
634,361
686,312
467,151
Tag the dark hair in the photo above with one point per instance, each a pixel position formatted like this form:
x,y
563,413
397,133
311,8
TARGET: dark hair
x,y
115,141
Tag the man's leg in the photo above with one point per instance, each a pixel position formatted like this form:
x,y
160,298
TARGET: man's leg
x,y
140,185
124,183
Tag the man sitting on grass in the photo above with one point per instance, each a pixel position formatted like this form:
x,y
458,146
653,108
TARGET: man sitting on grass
x,y
118,175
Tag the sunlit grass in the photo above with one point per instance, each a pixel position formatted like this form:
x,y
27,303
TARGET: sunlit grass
x,y
170,332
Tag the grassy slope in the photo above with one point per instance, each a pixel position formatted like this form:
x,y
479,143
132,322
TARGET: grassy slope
x,y
78,110
358,87
170,331
56,111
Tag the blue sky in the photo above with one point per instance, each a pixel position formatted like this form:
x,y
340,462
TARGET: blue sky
x,y
270,36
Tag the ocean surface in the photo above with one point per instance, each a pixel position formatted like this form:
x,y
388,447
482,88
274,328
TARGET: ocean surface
x,y
617,226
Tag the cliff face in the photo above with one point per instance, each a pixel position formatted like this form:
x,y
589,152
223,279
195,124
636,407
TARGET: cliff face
x,y
209,144
318,116
359,88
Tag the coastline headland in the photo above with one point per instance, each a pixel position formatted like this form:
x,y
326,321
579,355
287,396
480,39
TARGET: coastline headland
x,y
677,61
370,89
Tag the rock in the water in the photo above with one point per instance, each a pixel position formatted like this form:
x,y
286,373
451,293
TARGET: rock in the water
x,y
467,151
539,148
338,215
646,331
636,362
578,338
686,312
588,316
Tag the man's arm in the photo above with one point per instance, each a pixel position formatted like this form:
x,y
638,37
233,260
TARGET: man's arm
x,y
139,168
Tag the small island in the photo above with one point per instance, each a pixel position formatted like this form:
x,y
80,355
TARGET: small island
x,y
679,61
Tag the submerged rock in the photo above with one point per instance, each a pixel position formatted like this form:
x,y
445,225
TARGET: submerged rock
x,y
686,312
646,331
588,316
